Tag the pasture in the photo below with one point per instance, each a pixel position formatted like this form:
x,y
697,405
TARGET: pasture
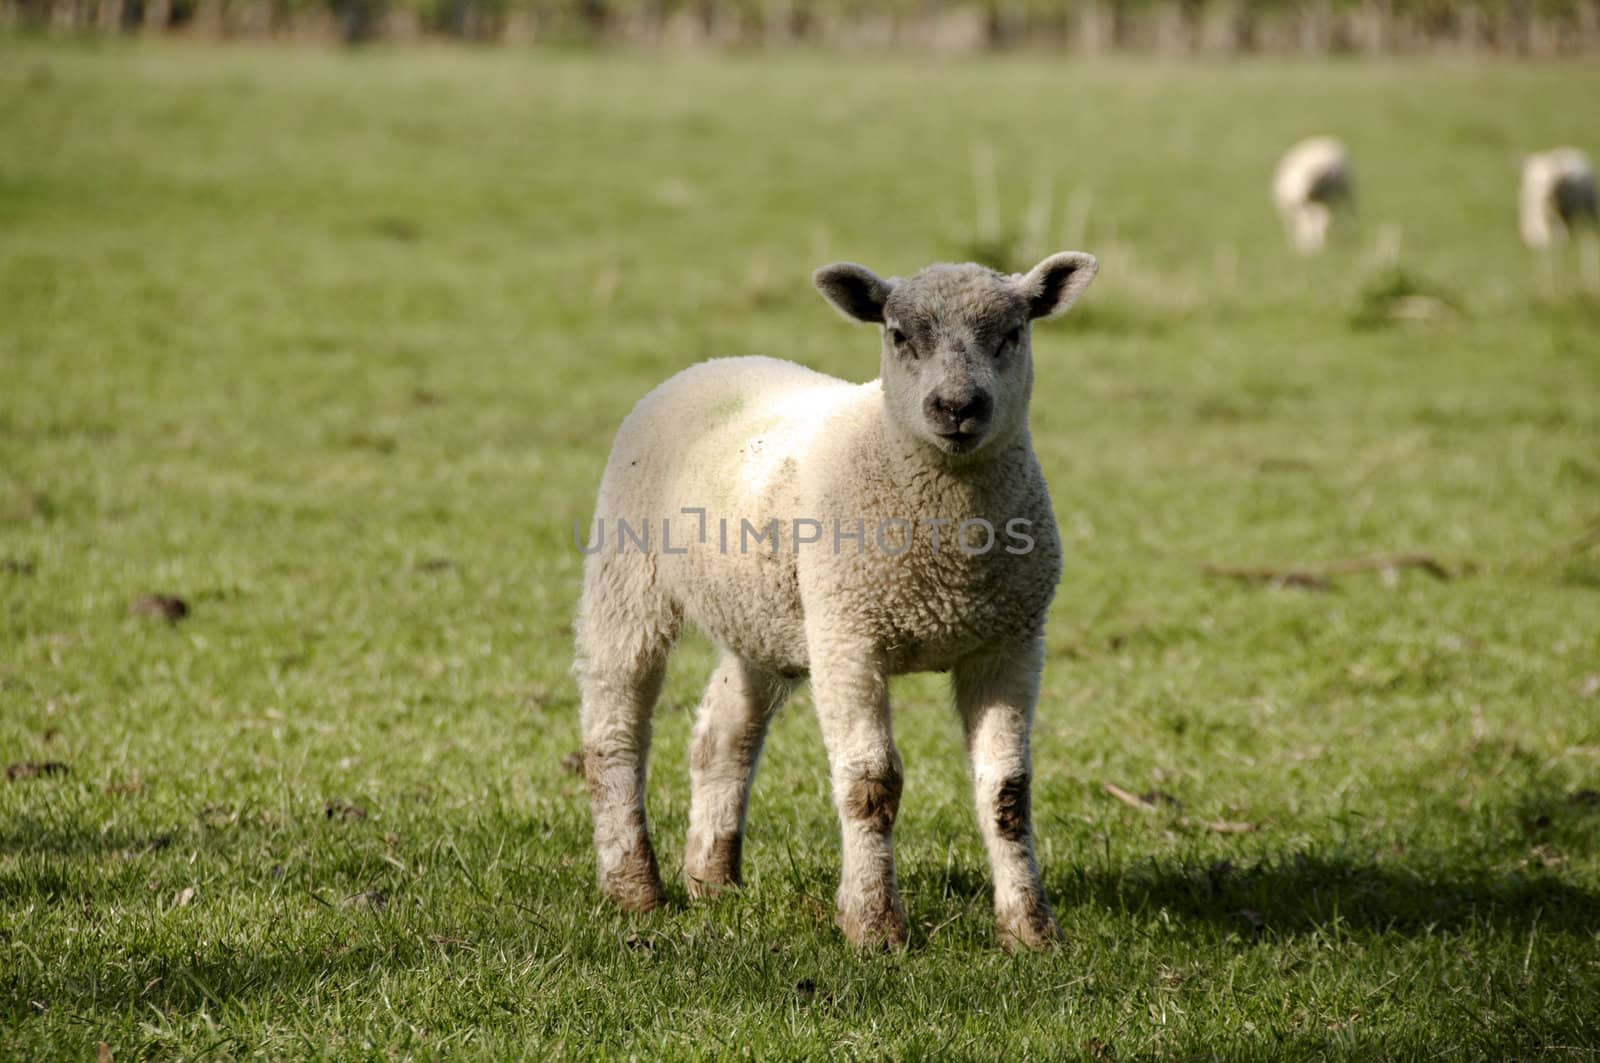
x,y
332,346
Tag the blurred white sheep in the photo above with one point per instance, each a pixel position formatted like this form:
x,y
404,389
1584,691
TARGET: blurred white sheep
x,y
1313,182
1557,202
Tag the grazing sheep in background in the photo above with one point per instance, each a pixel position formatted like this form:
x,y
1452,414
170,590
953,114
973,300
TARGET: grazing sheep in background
x,y
1558,195
1558,200
910,530
1313,181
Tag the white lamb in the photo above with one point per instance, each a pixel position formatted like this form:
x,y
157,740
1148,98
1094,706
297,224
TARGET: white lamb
x,y
1558,201
1313,183
1558,195
845,532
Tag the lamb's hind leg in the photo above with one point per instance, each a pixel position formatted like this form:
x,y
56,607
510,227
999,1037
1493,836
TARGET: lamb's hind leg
x,y
623,640
728,734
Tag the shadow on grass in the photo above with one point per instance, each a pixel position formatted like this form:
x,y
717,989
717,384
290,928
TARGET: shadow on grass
x,y
1509,882
1278,895
1299,893
1275,897
32,836
182,981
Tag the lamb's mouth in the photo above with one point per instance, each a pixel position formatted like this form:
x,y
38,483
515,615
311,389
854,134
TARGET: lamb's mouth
x,y
959,442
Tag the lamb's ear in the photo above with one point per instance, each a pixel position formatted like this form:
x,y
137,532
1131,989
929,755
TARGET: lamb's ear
x,y
1055,284
855,291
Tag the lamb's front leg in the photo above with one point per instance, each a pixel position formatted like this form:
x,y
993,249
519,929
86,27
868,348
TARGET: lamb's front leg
x,y
850,685
996,694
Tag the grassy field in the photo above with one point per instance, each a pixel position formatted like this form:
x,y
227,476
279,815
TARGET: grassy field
x,y
332,347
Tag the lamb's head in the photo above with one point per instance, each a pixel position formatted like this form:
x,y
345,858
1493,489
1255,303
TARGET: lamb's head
x,y
957,363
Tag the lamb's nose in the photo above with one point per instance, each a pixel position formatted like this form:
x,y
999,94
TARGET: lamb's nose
x,y
959,413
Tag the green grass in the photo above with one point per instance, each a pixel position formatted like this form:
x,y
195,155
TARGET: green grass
x,y
332,346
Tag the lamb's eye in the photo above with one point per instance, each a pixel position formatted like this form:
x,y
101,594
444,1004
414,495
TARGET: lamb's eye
x,y
900,341
1012,338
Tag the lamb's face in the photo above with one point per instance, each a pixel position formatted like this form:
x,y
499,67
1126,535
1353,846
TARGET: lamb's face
x,y
957,368
957,364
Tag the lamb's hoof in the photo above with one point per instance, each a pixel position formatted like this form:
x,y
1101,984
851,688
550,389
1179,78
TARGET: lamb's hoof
x,y
709,870
705,886
1029,930
708,887
636,896
873,930
636,885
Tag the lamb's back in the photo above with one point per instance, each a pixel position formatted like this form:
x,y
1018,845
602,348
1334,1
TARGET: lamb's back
x,y
713,456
